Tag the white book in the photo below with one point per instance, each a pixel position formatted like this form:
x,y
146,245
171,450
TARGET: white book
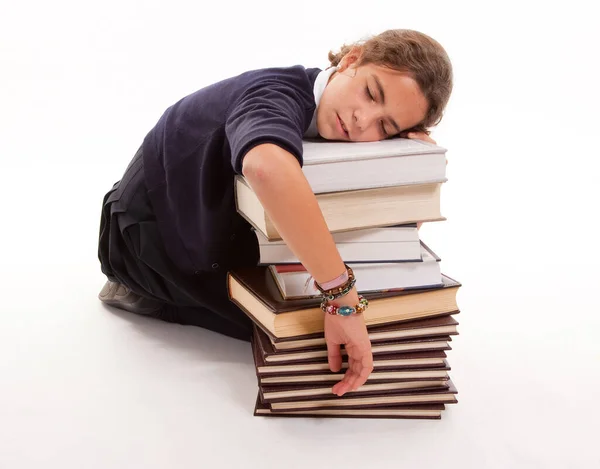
x,y
390,244
345,166
294,281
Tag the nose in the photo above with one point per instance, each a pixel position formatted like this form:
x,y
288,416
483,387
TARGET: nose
x,y
364,118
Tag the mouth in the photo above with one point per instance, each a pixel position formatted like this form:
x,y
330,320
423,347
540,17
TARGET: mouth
x,y
342,127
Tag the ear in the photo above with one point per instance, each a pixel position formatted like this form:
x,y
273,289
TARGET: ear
x,y
351,59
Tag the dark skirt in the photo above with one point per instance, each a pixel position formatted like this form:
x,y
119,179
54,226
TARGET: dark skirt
x,y
131,252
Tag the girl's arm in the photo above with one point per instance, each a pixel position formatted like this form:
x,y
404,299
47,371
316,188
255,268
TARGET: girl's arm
x,y
280,185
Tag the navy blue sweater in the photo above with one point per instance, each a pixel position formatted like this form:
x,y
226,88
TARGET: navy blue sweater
x,y
196,148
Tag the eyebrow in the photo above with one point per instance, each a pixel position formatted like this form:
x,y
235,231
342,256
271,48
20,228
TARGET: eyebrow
x,y
382,94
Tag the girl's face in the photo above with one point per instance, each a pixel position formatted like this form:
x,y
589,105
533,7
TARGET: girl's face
x,y
368,103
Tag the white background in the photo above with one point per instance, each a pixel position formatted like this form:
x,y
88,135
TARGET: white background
x,y
84,386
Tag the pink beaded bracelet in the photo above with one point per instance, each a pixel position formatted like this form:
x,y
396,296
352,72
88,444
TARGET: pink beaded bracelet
x,y
336,282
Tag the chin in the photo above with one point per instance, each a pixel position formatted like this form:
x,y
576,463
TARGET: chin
x,y
324,134
330,134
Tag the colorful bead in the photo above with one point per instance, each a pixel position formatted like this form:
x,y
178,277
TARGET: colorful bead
x,y
363,303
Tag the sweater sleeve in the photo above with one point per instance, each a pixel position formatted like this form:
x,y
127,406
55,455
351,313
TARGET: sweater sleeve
x,y
271,111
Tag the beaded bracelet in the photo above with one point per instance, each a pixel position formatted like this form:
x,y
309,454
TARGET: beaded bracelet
x,y
341,291
363,303
332,292
336,282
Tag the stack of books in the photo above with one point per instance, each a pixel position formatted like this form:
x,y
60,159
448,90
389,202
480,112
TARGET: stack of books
x,y
372,196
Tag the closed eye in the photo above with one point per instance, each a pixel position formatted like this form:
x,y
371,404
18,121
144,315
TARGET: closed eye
x,y
383,131
369,94
381,123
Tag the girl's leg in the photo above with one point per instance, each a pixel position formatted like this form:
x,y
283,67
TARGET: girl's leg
x,y
146,281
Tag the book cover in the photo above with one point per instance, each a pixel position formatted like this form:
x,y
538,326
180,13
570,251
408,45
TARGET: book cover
x,y
388,244
434,360
431,327
294,281
271,355
254,290
431,396
330,378
352,209
270,394
430,411
297,267
318,151
337,166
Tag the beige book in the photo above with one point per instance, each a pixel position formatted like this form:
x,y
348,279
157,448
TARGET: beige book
x,y
352,210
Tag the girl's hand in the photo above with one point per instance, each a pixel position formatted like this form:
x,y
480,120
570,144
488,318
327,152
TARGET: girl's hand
x,y
351,331
420,136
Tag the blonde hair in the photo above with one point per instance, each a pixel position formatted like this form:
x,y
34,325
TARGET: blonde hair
x,y
416,54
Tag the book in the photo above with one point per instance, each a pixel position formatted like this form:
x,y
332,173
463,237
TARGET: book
x,y
255,292
272,394
442,395
352,210
430,411
423,345
338,166
294,281
433,327
439,372
374,377
392,362
388,244
270,355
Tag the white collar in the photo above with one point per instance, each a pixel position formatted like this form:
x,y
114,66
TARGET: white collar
x,y
319,87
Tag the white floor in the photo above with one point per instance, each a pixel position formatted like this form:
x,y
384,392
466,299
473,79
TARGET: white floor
x,y
82,385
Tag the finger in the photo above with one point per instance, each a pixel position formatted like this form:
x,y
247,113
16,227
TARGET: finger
x,y
362,369
356,356
343,386
421,136
334,356
363,374
350,385
349,372
352,363
355,377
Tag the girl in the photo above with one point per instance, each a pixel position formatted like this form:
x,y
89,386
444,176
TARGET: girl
x,y
169,229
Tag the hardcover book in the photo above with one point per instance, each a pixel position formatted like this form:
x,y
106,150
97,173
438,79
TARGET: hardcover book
x,y
272,356
432,327
392,362
388,244
442,395
352,210
439,372
339,166
428,411
271,394
255,292
294,281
